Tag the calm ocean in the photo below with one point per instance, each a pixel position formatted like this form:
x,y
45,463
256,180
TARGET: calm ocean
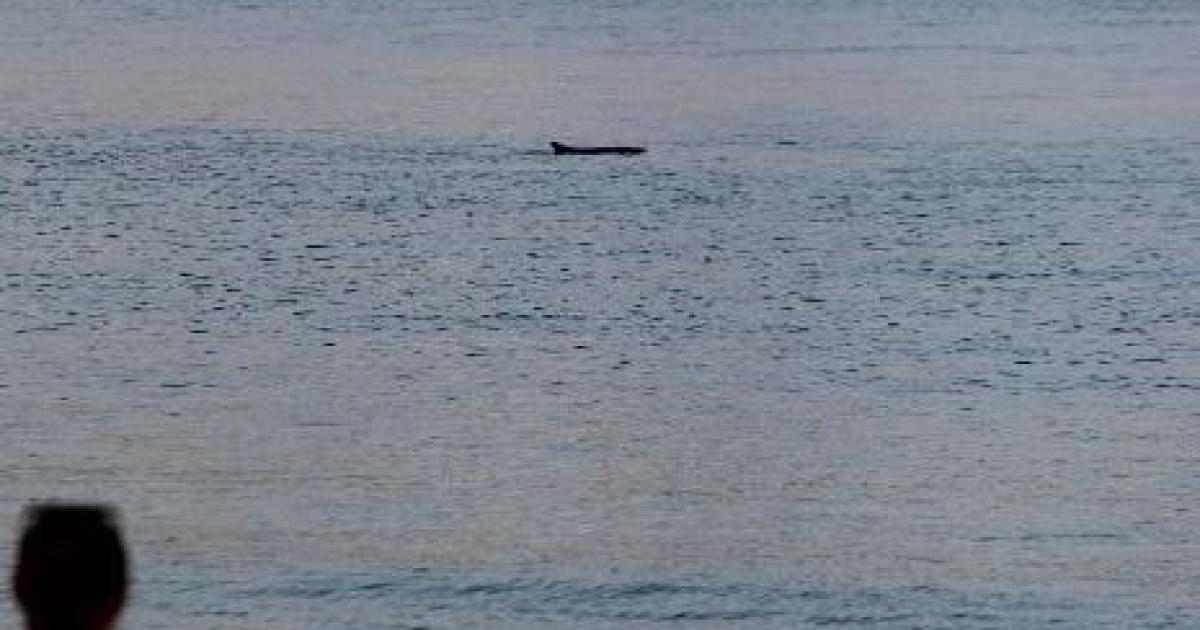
x,y
896,325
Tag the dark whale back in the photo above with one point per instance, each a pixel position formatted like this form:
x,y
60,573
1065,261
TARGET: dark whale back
x,y
563,149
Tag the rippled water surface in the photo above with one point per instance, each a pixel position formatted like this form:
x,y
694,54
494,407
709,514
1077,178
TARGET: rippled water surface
x,y
895,325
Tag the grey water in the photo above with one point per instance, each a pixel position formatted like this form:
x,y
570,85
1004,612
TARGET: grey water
x,y
896,324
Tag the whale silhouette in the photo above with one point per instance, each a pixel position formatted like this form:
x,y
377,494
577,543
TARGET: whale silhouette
x,y
564,149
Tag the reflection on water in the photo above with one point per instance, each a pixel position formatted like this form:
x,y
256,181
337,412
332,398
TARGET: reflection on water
x,y
423,598
892,327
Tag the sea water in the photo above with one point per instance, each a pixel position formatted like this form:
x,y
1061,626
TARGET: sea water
x,y
895,325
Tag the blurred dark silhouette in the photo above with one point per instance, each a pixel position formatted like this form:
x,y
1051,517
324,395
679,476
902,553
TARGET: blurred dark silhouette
x,y
72,570
565,149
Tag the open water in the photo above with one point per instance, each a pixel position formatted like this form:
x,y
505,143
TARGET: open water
x,y
896,325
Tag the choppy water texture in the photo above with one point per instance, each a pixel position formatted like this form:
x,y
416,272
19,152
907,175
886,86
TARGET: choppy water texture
x,y
895,326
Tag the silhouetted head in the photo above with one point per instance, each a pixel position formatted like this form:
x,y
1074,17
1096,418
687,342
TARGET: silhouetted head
x,y
72,572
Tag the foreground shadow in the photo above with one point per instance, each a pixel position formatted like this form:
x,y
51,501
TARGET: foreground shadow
x,y
72,569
